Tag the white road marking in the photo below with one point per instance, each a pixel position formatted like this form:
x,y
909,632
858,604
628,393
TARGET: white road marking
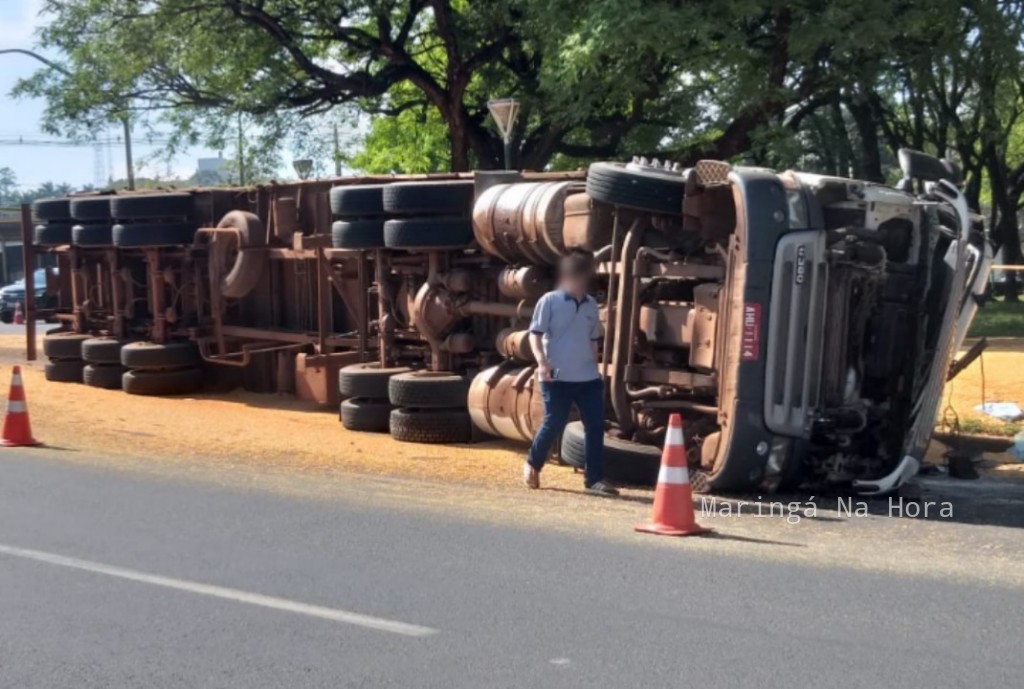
x,y
333,614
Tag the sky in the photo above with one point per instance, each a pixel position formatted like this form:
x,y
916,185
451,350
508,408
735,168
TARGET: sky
x,y
21,118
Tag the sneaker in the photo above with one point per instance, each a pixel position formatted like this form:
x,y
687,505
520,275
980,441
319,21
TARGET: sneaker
x,y
603,488
531,477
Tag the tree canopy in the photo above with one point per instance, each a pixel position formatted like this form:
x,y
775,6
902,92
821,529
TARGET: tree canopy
x,y
832,86
596,78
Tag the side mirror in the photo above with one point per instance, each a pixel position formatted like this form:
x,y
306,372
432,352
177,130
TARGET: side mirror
x,y
928,168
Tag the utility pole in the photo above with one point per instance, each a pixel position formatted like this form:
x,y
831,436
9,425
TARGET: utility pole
x,y
337,152
128,162
241,154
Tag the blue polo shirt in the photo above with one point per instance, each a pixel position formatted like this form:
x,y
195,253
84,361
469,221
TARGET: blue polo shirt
x,y
569,328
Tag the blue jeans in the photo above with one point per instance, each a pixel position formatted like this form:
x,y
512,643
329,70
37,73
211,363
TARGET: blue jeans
x,y
559,396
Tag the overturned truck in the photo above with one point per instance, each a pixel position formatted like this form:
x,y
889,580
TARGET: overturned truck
x,y
803,325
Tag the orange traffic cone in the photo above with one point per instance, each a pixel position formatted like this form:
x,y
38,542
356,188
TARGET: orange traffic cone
x,y
17,429
673,497
19,315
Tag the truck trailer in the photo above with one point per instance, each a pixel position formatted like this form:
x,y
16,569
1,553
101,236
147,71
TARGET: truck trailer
x,y
803,325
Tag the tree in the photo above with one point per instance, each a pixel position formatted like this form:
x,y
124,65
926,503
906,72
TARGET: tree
x,y
8,186
596,78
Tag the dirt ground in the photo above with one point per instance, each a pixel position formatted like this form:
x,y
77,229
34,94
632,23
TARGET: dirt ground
x,y
278,431
275,443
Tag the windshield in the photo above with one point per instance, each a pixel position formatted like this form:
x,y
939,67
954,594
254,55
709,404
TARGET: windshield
x,y
38,279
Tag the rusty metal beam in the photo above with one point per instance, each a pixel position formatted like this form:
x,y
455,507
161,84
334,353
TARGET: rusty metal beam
x,y
28,261
247,333
667,376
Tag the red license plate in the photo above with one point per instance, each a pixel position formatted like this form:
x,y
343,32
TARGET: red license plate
x,y
750,345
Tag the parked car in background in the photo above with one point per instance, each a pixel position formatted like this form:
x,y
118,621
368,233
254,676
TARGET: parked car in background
x,y
14,293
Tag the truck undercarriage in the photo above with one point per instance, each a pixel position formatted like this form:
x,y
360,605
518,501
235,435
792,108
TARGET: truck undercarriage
x,y
802,325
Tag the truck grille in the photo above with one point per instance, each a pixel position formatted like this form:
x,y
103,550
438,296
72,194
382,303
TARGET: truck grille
x,y
795,332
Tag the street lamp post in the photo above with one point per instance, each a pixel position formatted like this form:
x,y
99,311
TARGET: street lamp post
x,y
504,111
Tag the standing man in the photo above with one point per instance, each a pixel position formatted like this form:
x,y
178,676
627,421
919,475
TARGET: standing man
x,y
564,334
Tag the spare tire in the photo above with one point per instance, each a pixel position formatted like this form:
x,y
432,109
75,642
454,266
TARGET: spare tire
x,y
363,201
150,206
372,416
63,344
367,380
428,390
357,234
92,235
250,260
625,462
433,426
103,376
90,208
53,233
647,190
64,371
153,356
143,235
102,350
181,381
429,198
51,209
428,233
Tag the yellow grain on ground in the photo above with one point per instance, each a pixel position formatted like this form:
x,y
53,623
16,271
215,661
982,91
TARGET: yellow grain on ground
x,y
998,376
275,431
279,432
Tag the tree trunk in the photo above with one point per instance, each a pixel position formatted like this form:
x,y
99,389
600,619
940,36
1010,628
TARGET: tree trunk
x,y
1005,233
841,136
458,142
867,130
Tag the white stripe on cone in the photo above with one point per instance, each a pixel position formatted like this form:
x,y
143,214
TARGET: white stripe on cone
x,y
674,436
675,476
16,407
16,380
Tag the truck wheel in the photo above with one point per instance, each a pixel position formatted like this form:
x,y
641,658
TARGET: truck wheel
x,y
64,344
364,201
93,234
625,462
646,190
151,206
181,381
145,235
90,208
102,350
367,380
360,414
250,260
64,370
428,233
53,233
429,198
433,426
153,356
428,390
104,376
51,209
357,234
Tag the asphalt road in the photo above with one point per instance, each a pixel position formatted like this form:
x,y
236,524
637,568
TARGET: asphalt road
x,y
116,579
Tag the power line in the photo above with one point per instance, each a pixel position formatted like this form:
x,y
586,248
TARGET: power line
x,y
29,141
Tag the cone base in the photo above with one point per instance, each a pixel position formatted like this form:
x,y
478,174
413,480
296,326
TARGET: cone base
x,y
14,443
666,530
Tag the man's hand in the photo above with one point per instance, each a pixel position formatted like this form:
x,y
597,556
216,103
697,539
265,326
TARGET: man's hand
x,y
543,365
